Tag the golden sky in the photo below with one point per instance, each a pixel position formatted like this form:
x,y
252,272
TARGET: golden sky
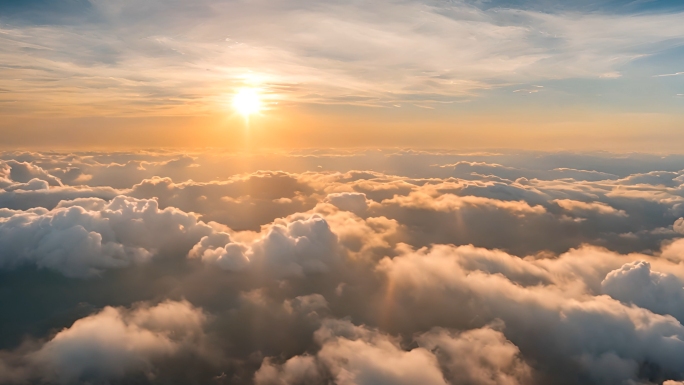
x,y
461,74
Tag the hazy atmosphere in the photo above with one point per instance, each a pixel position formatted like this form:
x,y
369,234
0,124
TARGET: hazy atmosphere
x,y
462,192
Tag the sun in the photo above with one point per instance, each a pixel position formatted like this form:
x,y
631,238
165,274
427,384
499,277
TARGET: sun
x,y
247,102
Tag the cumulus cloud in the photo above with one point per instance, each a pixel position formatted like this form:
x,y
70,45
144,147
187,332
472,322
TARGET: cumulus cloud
x,y
243,202
302,247
435,281
358,272
679,225
116,342
636,283
356,356
24,172
349,201
352,354
83,241
477,356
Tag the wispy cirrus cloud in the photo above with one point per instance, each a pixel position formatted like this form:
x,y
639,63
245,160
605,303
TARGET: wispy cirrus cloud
x,y
668,75
191,57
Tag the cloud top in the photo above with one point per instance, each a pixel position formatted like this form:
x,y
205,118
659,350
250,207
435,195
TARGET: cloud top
x,y
495,269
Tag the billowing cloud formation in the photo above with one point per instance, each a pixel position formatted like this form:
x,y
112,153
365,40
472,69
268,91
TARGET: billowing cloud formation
x,y
357,355
81,238
114,342
340,274
581,330
111,342
25,172
636,283
304,246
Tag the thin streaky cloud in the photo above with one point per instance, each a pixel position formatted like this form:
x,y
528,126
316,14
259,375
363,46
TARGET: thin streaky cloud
x,y
327,53
666,75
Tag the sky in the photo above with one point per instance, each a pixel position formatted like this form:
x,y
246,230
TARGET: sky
x,y
463,192
542,75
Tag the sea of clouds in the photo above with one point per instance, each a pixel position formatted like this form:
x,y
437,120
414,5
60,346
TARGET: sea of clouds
x,y
341,267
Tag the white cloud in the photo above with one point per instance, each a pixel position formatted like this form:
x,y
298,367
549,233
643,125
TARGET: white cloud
x,y
356,355
84,241
636,283
116,341
479,356
306,246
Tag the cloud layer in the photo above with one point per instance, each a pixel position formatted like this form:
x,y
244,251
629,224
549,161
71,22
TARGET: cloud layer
x,y
376,267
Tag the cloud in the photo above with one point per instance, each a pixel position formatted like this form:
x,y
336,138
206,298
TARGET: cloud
x,y
37,193
577,206
347,201
679,225
395,272
357,356
478,356
433,281
449,202
486,48
116,342
667,75
352,354
244,202
84,241
636,283
302,247
24,172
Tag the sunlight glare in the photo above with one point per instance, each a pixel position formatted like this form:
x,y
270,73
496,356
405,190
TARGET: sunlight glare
x,y
247,101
